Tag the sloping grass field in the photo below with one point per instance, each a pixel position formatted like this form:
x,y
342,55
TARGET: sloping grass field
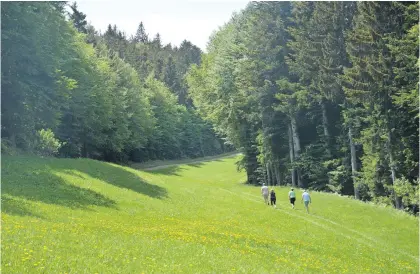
x,y
85,216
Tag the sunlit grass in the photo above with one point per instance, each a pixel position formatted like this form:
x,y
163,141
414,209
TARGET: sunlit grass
x,y
84,216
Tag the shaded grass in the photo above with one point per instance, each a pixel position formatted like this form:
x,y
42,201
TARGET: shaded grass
x,y
170,171
49,181
19,207
191,162
201,220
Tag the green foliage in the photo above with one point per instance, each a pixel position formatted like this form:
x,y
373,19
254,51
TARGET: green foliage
x,y
313,170
93,90
78,18
337,175
9,148
32,51
409,191
141,35
320,94
46,143
370,84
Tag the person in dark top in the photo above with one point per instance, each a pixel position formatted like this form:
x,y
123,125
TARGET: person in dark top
x,y
273,197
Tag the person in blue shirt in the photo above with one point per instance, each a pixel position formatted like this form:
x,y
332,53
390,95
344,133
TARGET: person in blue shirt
x,y
306,198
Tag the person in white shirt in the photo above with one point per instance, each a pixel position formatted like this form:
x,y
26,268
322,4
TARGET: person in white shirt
x,y
292,197
264,193
306,198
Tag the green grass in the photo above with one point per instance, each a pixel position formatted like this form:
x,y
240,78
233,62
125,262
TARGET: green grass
x,y
160,163
84,216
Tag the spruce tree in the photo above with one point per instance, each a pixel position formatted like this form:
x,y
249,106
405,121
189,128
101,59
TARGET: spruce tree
x,y
369,84
141,35
78,18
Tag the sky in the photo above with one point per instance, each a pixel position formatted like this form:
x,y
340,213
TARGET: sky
x,y
176,20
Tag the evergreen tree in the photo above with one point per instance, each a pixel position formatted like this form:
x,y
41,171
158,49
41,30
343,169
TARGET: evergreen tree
x,y
286,79
141,35
157,41
170,74
78,18
369,84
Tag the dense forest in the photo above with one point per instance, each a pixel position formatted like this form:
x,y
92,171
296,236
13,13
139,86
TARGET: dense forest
x,y
70,91
319,95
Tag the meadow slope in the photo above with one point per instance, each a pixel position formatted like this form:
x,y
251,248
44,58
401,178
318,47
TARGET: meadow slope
x,y
85,216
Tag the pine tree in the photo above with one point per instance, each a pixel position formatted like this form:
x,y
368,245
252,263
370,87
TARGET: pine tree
x,y
170,75
157,41
141,35
405,99
78,18
318,58
369,84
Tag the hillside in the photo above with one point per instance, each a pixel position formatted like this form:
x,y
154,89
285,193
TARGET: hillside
x,y
85,216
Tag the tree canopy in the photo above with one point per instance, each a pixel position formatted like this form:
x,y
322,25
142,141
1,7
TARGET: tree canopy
x,y
320,95
103,96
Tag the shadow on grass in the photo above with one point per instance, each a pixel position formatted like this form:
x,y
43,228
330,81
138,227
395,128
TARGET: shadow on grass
x,y
39,183
112,174
14,207
157,163
174,169
36,179
169,171
199,164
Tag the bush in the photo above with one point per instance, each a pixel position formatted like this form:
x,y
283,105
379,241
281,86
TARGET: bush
x,y
8,148
408,191
46,143
383,200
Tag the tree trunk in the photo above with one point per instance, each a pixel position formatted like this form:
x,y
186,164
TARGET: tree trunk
x,y
273,174
353,164
277,173
325,126
292,155
201,146
296,143
398,200
251,167
251,177
13,141
267,167
251,159
84,150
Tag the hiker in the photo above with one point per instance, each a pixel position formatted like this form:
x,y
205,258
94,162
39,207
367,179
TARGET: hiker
x,y
264,193
306,199
273,198
292,197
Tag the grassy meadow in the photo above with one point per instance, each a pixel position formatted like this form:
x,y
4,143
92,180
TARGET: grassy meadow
x,y
86,216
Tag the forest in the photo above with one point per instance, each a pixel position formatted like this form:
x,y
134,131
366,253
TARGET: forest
x,y
318,95
72,92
